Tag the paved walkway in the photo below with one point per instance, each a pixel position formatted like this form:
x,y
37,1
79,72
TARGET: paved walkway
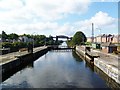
x,y
113,60
108,63
110,59
12,56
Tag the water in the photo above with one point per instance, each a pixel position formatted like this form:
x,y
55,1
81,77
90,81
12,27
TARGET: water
x,y
61,69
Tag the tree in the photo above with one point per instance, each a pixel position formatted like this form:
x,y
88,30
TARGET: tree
x,y
4,35
13,36
0,35
79,38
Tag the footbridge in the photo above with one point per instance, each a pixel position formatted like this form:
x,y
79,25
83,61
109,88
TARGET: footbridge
x,y
62,36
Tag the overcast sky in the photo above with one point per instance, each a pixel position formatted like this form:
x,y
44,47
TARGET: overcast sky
x,y
58,17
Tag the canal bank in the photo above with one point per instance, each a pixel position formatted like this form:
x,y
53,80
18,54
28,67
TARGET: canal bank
x,y
81,52
21,60
57,69
109,67
63,69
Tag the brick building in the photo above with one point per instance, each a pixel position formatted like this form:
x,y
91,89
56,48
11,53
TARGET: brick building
x,y
105,38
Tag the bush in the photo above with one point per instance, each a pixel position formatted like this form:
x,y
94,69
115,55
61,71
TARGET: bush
x,y
88,43
6,45
14,46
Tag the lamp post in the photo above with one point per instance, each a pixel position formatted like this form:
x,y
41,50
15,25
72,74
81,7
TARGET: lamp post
x,y
92,32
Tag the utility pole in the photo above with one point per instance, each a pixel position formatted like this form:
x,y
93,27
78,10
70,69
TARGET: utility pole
x,y
92,33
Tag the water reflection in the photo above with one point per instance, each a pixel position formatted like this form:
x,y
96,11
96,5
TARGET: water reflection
x,y
56,70
90,66
79,59
63,44
17,69
109,81
76,57
31,65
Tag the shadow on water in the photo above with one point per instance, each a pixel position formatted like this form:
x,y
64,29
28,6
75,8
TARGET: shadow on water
x,y
12,72
76,57
56,69
29,64
109,81
80,59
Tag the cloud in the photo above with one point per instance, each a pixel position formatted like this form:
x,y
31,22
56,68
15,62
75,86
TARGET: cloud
x,y
100,20
38,28
10,4
27,16
17,10
42,16
46,28
105,1
56,9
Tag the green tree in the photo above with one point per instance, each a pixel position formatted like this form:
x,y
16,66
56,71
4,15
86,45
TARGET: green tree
x,y
13,36
70,43
79,38
0,35
39,39
4,35
6,45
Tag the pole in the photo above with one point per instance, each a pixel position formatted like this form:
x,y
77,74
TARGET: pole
x,y
92,32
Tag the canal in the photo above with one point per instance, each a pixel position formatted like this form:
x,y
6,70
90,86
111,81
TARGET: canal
x,y
56,69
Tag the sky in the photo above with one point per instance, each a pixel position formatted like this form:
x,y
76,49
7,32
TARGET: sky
x,y
59,17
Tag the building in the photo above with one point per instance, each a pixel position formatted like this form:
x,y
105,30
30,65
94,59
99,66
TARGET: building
x,y
115,39
105,38
89,39
25,39
108,47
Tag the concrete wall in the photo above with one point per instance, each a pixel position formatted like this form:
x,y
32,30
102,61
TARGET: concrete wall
x,y
111,71
109,81
21,61
81,52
